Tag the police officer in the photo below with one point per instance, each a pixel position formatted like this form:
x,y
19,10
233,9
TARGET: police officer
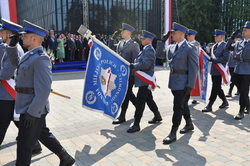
x,y
129,50
231,65
222,57
183,61
191,34
242,68
7,95
145,62
33,86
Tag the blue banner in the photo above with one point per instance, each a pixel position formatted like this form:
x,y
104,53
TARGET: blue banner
x,y
106,80
204,73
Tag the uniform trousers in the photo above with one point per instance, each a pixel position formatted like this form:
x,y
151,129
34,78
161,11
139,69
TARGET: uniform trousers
x,y
231,71
28,136
180,107
129,96
6,115
242,82
216,88
144,95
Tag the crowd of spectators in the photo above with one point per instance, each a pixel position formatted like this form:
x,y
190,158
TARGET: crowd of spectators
x,y
66,46
71,47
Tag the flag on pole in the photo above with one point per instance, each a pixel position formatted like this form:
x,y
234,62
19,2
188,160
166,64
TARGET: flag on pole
x,y
199,93
106,80
8,10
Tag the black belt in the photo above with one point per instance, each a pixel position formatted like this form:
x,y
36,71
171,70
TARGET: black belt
x,y
24,90
179,71
242,60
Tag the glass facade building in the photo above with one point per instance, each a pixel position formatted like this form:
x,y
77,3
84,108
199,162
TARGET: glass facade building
x,y
105,16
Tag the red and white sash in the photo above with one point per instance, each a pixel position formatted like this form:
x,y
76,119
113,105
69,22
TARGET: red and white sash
x,y
9,87
223,70
150,80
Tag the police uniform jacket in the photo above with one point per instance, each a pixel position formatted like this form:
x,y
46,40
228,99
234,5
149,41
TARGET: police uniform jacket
x,y
7,70
232,62
145,62
184,59
129,51
242,53
33,71
222,56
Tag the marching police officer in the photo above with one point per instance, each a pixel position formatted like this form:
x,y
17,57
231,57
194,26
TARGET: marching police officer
x,y
129,50
183,61
33,86
231,65
221,57
145,62
7,93
191,40
7,100
242,68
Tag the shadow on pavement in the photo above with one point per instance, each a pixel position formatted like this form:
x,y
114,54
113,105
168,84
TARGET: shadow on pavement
x,y
177,153
143,140
32,161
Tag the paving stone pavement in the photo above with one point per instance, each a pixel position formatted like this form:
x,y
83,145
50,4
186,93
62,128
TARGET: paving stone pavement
x,y
217,139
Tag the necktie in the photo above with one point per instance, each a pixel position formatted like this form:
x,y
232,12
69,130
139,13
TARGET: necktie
x,y
245,43
124,43
215,47
176,48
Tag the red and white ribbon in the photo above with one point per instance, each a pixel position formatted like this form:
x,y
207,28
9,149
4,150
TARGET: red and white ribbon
x,y
150,80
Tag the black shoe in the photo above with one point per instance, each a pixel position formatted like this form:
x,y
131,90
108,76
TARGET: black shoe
x,y
118,121
65,158
133,129
154,120
188,127
247,110
195,102
207,109
37,148
229,95
169,139
224,104
239,116
237,93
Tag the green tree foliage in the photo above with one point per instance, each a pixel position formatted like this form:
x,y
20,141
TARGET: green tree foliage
x,y
206,15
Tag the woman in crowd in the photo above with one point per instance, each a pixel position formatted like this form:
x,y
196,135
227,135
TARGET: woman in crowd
x,y
60,48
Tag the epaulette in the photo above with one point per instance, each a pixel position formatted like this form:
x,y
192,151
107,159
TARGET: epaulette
x,y
196,43
40,52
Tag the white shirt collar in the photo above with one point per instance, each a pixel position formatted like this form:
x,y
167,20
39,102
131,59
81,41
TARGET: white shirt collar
x,y
179,44
146,46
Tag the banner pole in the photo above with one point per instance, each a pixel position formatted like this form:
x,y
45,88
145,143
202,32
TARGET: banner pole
x,y
110,50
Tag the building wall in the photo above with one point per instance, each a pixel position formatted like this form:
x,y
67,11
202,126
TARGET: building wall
x,y
105,16
39,12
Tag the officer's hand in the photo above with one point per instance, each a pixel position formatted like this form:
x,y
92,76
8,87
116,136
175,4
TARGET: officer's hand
x,y
187,91
165,37
28,120
14,39
116,34
235,33
212,60
131,66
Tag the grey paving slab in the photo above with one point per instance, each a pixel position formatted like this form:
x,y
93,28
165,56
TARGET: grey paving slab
x,y
90,137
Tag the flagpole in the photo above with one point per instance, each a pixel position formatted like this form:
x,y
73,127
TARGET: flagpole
x,y
208,57
110,50
84,31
